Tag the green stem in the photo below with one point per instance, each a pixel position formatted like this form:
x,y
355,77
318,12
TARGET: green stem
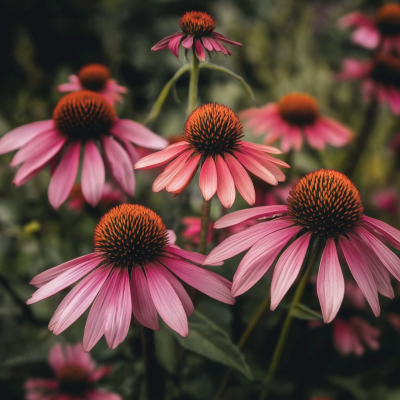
x,y
242,341
205,224
194,80
314,255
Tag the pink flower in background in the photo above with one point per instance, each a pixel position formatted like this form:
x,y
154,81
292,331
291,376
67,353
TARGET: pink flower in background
x,y
81,120
325,206
132,269
382,30
75,377
198,33
96,78
293,117
267,195
380,77
213,136
387,201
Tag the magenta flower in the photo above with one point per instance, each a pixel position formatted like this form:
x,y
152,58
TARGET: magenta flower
x,y
80,120
212,139
132,269
383,30
75,377
96,78
292,117
323,205
198,33
380,76
387,201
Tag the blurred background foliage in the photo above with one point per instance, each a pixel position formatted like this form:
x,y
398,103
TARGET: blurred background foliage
x,y
288,45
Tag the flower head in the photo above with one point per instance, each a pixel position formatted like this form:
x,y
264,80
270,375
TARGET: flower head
x,y
383,30
75,377
212,138
323,206
293,116
198,33
97,78
80,119
132,269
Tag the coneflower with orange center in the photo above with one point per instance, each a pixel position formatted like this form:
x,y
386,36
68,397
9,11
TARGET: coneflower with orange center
x,y
294,116
80,119
198,33
213,139
325,207
133,269
97,78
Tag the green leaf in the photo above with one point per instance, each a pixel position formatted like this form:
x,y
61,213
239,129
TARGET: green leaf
x,y
303,312
233,75
210,341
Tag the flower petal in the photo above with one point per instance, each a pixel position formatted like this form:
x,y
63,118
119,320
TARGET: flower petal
x,y
56,357
208,178
182,179
226,186
198,47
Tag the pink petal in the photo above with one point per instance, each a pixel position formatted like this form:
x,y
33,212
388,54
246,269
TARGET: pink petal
x,y
222,38
207,44
355,19
315,140
132,131
366,36
142,304
41,384
64,176
287,268
100,373
342,336
56,357
164,42
201,55
183,178
171,236
93,174
391,234
167,301
119,164
96,394
174,45
226,186
330,283
187,255
188,42
208,178
133,154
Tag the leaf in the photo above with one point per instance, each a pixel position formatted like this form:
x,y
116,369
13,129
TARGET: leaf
x,y
303,312
210,341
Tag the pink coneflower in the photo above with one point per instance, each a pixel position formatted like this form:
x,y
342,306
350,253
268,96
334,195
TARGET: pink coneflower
x,y
387,201
324,207
198,33
96,78
75,377
292,117
380,76
81,119
131,270
213,136
382,30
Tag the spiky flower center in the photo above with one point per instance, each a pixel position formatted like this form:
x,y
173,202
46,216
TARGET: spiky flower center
x,y
388,19
298,109
130,235
386,69
94,77
325,202
83,115
213,129
72,379
197,23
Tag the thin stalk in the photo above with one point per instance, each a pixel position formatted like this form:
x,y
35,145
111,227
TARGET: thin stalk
x,y
205,224
242,341
288,320
194,80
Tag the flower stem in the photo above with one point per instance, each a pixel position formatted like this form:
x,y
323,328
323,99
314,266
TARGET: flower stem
x,y
194,79
311,261
205,224
242,341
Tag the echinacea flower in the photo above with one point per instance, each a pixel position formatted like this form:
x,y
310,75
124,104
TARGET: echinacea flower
x,y
132,269
96,78
326,207
295,115
198,33
382,30
212,139
380,77
80,120
75,377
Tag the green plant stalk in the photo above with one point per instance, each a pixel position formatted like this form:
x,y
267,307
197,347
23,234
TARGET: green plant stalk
x,y
205,224
314,254
194,80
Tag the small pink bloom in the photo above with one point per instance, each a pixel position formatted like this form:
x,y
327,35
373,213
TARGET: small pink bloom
x,y
95,77
197,33
212,139
383,30
387,201
81,121
294,117
132,270
380,77
75,377
323,205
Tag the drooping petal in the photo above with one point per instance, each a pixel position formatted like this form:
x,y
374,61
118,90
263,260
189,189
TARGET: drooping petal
x,y
188,42
133,154
222,38
261,147
208,178
391,234
198,48
163,43
330,283
183,178
174,44
226,186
